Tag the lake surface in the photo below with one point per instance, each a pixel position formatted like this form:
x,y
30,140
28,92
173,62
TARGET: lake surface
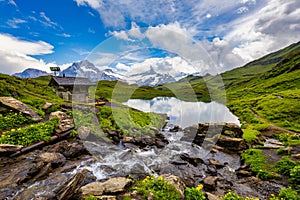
x,y
183,113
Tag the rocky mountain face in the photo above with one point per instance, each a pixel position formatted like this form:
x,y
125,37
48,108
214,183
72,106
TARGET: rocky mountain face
x,y
150,78
87,69
31,73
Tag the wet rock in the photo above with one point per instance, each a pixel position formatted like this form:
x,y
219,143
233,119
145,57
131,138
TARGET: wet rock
x,y
53,158
7,149
216,163
71,187
83,132
159,141
243,173
212,170
176,182
211,196
65,122
175,129
254,187
210,131
107,197
18,106
273,144
112,185
68,149
296,156
47,105
233,144
210,182
193,161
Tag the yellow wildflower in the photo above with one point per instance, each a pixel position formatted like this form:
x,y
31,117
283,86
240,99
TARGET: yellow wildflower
x,y
199,187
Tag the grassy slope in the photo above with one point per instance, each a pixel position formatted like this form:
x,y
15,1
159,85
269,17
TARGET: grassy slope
x,y
34,92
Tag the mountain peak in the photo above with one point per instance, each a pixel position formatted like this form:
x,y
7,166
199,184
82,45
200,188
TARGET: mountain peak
x,y
31,73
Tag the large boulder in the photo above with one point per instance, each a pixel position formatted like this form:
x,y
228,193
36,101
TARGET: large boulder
x,y
226,135
233,144
71,187
65,122
18,106
176,182
53,158
111,186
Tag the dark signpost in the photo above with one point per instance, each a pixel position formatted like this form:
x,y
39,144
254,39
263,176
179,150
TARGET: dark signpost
x,y
55,70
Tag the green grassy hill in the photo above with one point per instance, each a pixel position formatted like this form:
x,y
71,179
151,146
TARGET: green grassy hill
x,y
33,92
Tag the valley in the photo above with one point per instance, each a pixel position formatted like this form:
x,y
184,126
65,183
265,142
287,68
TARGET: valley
x,y
148,154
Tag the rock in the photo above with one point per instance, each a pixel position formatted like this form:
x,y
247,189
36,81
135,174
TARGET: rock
x,y
112,185
47,105
193,161
176,182
175,129
107,197
18,106
211,196
216,163
65,122
158,140
68,149
273,144
83,132
243,173
297,156
233,144
6,149
70,188
209,131
210,182
53,158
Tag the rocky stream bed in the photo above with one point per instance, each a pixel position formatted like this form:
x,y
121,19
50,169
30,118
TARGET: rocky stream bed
x,y
74,168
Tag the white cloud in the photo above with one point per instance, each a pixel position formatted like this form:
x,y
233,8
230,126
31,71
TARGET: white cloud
x,y
46,21
168,65
15,22
93,3
16,55
12,2
64,35
263,27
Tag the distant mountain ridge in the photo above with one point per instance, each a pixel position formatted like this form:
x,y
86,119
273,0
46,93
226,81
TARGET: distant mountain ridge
x,y
31,73
89,70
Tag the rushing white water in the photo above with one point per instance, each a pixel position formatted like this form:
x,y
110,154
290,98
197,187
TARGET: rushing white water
x,y
113,161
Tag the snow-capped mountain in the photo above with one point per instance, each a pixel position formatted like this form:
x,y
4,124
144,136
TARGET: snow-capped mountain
x,y
150,78
89,70
31,73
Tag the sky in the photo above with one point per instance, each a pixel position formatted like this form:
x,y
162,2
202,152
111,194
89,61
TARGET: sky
x,y
204,36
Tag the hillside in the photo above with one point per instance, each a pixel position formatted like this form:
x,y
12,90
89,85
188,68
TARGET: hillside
x,y
34,92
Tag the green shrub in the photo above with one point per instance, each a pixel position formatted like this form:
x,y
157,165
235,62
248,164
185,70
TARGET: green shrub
x,y
231,196
12,120
159,188
255,158
295,177
91,197
129,121
250,135
194,193
284,165
266,175
30,134
289,194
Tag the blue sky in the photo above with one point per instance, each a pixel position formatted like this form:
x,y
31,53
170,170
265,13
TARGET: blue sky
x,y
39,34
